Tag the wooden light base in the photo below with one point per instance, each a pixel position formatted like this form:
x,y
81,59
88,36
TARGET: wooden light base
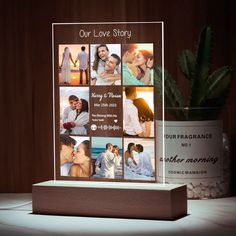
x,y
107,199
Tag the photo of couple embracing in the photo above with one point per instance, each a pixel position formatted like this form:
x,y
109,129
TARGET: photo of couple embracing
x,y
105,64
137,64
107,157
138,112
139,161
74,109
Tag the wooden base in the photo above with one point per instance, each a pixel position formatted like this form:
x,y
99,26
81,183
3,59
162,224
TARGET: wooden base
x,y
106,199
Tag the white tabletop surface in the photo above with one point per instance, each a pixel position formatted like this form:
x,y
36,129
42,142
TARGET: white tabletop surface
x,y
205,217
120,185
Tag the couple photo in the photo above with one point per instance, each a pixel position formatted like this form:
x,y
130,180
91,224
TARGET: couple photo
x,y
105,64
73,64
138,112
139,160
74,160
137,64
74,112
106,158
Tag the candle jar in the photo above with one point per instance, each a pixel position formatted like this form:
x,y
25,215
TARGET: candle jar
x,y
194,152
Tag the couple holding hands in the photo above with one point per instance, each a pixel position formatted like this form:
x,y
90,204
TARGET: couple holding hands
x,y
65,66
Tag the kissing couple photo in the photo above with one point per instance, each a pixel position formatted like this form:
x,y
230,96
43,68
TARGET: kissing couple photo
x,y
138,162
74,162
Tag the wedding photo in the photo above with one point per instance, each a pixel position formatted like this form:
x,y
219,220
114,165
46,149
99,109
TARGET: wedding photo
x,y
107,157
138,112
105,64
75,159
139,159
137,64
73,64
74,110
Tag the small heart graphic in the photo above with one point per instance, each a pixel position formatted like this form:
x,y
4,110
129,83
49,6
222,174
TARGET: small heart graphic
x,y
115,121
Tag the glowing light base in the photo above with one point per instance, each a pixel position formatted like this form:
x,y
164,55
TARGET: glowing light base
x,y
107,199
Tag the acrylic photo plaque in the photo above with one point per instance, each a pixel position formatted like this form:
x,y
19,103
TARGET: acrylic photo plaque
x,y
105,100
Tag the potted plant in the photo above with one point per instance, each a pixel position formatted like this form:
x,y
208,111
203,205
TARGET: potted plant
x,y
193,133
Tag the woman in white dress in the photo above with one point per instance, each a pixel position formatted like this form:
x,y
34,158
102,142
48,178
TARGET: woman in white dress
x,y
146,117
65,66
133,164
78,119
128,153
116,152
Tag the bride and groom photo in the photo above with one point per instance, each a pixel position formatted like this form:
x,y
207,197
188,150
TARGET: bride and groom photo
x,y
73,64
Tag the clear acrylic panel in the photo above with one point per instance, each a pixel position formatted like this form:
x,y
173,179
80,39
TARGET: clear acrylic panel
x,y
106,101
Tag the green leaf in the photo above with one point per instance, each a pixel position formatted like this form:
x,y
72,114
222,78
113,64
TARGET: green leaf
x,y
203,58
196,93
207,91
216,84
203,53
158,81
187,64
172,94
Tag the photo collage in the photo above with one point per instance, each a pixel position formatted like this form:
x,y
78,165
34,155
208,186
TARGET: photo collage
x,y
106,104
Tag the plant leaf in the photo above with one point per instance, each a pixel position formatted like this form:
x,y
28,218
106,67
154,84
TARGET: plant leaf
x,y
217,84
172,94
203,53
203,58
187,64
